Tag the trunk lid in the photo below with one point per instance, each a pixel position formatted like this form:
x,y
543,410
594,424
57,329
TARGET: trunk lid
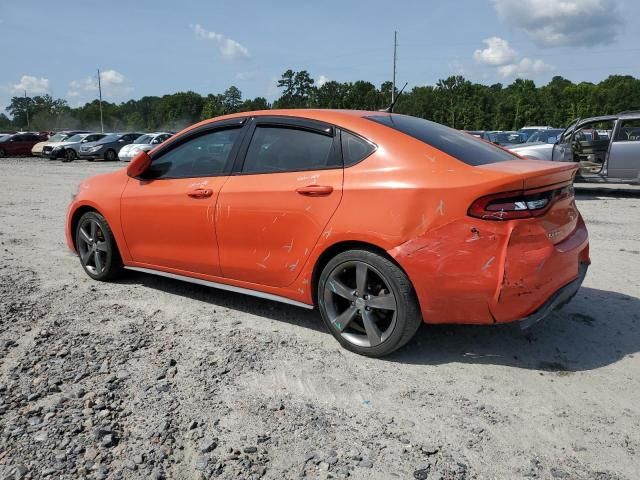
x,y
534,176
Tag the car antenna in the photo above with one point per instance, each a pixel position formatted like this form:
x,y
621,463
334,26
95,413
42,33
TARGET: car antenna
x,y
389,109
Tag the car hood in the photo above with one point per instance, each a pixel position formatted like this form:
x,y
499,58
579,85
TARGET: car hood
x,y
136,146
532,146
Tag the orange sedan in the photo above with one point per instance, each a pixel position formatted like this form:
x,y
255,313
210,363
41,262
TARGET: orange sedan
x,y
382,221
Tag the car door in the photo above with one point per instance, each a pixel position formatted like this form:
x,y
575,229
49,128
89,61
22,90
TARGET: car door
x,y
624,156
168,214
16,145
562,151
286,185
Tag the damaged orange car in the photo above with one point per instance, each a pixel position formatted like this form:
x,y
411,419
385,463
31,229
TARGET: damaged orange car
x,y
381,221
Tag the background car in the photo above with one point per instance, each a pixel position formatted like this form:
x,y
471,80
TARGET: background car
x,y
45,147
504,138
304,207
606,148
69,148
547,135
18,144
526,131
108,147
143,143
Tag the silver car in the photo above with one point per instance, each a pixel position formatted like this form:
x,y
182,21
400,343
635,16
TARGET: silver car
x,y
69,148
607,148
143,143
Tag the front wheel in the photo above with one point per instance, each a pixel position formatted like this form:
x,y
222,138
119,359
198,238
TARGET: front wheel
x,y
97,247
368,303
3,153
69,155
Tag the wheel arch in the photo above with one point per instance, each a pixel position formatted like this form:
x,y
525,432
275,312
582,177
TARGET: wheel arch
x,y
343,246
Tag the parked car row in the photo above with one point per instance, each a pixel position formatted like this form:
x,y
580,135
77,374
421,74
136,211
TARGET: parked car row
x,y
524,135
72,144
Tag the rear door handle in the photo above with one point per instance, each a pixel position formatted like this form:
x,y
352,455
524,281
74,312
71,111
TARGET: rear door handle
x,y
315,190
200,193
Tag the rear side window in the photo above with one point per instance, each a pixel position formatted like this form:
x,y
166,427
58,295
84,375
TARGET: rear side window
x,y
355,149
203,156
629,131
281,149
459,145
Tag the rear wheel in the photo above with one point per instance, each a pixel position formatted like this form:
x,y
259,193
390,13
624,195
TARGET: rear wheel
x,y
3,153
368,303
110,155
97,248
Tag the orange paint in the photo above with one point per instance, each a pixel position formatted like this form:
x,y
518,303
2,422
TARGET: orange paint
x,y
266,232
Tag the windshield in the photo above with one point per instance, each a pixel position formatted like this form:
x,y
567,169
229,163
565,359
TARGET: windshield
x,y
506,137
58,137
544,135
144,139
75,138
459,145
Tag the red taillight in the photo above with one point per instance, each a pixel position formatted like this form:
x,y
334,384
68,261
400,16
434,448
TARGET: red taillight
x,y
514,205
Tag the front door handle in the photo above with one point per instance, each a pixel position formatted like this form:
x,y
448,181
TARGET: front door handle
x,y
200,193
315,190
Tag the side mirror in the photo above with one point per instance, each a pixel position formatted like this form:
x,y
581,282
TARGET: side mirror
x,y
139,164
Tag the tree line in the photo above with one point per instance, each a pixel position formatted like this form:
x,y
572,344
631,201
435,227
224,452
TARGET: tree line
x,y
454,101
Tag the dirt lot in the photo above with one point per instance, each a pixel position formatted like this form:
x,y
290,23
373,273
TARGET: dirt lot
x,y
153,378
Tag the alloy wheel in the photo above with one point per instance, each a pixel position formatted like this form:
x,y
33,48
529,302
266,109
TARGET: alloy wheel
x,y
70,155
92,246
359,303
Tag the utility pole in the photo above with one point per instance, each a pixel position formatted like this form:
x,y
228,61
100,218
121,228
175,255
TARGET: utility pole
x,y
395,58
100,93
26,105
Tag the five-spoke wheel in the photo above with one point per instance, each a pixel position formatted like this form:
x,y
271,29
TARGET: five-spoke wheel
x,y
96,247
367,302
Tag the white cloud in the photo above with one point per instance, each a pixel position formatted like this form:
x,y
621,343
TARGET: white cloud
x,y
113,84
505,59
322,79
33,85
525,68
555,23
498,52
229,48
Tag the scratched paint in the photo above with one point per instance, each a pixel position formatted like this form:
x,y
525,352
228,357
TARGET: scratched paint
x,y
440,209
488,264
294,265
289,246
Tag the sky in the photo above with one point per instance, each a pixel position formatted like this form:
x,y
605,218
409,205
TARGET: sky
x,y
158,47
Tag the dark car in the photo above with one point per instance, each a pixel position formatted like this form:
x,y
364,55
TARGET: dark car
x,y
18,144
107,148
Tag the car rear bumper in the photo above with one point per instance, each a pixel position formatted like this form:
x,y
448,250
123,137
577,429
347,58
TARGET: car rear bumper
x,y
557,300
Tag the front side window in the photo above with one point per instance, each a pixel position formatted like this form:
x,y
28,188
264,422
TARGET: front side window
x,y
203,156
282,149
629,131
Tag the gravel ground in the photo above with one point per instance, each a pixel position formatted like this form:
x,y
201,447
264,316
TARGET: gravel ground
x,y
154,378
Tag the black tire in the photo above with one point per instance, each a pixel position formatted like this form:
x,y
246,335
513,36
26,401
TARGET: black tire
x,y
110,155
69,155
97,249
400,325
3,153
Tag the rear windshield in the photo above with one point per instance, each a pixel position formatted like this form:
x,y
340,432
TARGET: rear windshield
x,y
459,145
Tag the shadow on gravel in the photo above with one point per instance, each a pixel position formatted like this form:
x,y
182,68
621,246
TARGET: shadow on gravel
x,y
596,329
608,193
233,301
